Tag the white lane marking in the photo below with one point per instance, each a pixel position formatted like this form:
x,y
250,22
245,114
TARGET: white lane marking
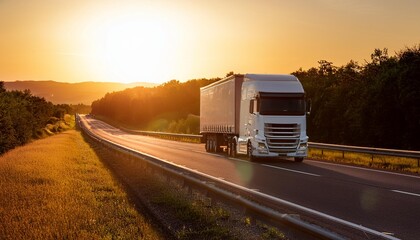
x,y
290,170
407,193
366,169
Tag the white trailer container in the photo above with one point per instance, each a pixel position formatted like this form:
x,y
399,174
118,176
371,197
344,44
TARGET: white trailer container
x,y
255,114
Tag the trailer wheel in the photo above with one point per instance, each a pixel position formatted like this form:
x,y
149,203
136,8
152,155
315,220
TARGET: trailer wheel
x,y
249,152
210,145
216,144
233,148
214,149
207,145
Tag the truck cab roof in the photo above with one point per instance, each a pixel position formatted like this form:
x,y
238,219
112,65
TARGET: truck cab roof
x,y
270,77
281,83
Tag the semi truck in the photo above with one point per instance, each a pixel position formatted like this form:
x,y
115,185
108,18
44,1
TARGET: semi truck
x,y
259,115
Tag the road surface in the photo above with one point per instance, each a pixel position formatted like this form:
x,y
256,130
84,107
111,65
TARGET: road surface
x,y
383,201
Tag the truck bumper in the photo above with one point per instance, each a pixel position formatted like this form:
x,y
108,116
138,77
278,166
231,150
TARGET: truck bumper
x,y
298,153
262,151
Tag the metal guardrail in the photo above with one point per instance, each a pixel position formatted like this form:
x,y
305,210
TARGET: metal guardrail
x,y
164,135
321,146
258,205
367,150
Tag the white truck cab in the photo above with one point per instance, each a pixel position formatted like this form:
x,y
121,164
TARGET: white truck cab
x,y
273,117
259,115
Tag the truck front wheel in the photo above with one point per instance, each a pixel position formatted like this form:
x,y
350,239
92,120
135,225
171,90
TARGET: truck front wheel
x,y
298,159
249,152
231,148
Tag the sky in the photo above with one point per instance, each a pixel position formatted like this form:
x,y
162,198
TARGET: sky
x,y
160,40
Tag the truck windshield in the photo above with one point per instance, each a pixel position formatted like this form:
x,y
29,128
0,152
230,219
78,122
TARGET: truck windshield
x,y
282,105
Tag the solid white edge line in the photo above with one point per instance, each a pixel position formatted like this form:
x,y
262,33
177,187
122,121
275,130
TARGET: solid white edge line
x,y
366,169
290,170
406,193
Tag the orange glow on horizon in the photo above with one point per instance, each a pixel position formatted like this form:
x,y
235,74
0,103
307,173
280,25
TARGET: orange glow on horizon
x,y
141,41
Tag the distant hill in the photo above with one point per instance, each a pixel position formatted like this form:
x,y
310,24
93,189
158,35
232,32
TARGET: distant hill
x,y
71,93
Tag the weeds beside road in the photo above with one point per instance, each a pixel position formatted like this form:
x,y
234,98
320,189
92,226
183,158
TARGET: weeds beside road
x,y
389,163
57,188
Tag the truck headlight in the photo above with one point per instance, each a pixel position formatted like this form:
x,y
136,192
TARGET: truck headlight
x,y
303,145
262,148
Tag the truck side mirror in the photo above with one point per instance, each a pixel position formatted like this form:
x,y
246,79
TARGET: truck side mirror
x,y
251,106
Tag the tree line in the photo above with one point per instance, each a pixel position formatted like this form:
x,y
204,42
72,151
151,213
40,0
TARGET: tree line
x,y
371,104
374,104
24,116
171,106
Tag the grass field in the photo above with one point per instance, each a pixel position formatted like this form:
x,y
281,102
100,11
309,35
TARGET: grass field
x,y
57,188
367,160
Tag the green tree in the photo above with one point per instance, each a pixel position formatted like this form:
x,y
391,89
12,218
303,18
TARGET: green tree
x,y
2,88
21,117
375,104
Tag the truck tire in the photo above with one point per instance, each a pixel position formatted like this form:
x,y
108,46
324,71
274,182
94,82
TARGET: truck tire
x,y
298,159
207,145
249,152
215,145
233,150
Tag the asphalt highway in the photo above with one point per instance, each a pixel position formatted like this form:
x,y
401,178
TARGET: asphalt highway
x,y
383,201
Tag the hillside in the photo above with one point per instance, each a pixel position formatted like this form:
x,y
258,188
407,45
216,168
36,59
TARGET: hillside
x,y
71,93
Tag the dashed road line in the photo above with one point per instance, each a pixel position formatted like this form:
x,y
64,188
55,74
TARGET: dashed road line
x,y
406,193
291,170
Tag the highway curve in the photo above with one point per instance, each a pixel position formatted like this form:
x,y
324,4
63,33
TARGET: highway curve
x,y
383,201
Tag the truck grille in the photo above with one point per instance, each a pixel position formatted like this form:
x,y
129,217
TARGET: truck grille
x,y
282,138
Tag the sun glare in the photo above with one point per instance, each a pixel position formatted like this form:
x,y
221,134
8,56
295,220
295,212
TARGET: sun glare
x,y
132,49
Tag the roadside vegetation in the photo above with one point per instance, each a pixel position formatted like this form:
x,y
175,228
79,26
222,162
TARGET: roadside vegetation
x,y
366,160
57,188
24,117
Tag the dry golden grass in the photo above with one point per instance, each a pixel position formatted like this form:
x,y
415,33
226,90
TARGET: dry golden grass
x,y
57,188
366,160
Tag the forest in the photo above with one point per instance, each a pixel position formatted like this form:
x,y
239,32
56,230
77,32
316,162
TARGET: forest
x,y
172,106
24,117
373,104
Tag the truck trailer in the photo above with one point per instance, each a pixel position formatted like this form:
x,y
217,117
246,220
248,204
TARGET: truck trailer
x,y
260,115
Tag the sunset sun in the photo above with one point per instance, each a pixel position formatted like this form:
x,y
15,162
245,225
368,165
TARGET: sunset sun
x,y
130,49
